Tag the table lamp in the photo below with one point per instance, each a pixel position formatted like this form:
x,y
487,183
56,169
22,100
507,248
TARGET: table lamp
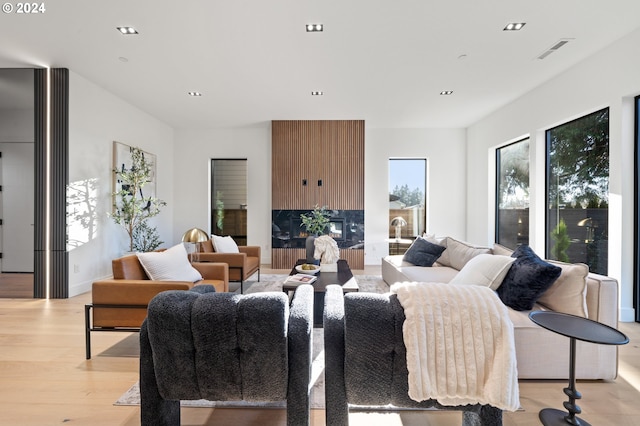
x,y
194,236
398,222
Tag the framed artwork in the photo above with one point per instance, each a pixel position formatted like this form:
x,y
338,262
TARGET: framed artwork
x,y
122,161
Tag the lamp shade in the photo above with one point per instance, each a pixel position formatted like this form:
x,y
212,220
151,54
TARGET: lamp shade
x,y
398,221
195,235
589,222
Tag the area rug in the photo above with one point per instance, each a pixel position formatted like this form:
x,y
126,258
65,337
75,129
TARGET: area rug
x,y
273,282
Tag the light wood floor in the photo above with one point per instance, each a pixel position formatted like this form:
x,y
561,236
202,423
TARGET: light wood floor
x,y
45,379
16,286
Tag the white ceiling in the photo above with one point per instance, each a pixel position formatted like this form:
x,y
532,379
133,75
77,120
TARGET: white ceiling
x,y
382,61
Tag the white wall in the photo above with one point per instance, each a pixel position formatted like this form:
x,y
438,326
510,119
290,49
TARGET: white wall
x,y
16,125
193,152
96,119
444,149
607,79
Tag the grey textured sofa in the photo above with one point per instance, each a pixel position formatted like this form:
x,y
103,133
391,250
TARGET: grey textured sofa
x,y
365,359
225,347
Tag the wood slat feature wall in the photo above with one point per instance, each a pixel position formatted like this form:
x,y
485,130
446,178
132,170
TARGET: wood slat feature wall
x,y
327,155
285,258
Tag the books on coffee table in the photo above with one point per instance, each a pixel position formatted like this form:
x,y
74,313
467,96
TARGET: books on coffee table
x,y
300,279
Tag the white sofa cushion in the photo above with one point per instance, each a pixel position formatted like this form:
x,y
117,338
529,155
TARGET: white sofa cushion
x,y
224,244
568,293
459,253
485,269
502,250
169,265
437,274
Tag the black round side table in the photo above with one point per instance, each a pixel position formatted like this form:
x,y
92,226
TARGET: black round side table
x,y
579,328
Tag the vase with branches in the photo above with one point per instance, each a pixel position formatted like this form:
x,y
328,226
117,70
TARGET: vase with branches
x,y
315,222
132,208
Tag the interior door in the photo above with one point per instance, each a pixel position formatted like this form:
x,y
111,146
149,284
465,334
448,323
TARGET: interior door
x,y
17,200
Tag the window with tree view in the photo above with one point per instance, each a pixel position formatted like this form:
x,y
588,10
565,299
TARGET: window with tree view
x,y
512,194
578,191
407,196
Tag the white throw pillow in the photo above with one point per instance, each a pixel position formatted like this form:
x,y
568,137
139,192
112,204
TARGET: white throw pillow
x,y
502,250
169,265
224,244
484,269
458,253
568,293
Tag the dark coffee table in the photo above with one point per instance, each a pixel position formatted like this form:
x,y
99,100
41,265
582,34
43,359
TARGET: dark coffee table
x,y
342,277
579,328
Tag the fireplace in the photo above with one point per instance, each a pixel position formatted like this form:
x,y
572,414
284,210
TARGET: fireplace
x,y
345,226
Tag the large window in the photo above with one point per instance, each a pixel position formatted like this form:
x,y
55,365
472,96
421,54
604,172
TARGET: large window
x,y
407,200
578,191
512,194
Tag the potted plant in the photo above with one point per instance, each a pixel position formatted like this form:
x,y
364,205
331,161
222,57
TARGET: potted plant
x,y
315,223
561,240
131,208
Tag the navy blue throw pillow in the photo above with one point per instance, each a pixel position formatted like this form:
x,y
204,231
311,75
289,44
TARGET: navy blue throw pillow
x,y
528,277
423,252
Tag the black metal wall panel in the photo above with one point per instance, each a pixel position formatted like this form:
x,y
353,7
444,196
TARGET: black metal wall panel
x,y
57,173
40,130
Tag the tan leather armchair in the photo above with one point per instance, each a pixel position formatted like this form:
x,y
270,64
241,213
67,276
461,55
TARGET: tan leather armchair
x,y
120,303
241,265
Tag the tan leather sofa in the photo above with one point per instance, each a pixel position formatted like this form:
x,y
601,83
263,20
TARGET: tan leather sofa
x,y
120,303
241,265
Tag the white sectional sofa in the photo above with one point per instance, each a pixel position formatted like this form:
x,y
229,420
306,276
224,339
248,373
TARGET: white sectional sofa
x,y
541,354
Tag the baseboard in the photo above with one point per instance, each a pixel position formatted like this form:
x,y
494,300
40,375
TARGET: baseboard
x,y
627,315
84,286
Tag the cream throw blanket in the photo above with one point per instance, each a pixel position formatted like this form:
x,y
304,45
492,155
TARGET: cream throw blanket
x,y
460,345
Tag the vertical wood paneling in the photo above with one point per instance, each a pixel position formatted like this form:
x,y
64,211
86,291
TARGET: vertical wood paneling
x,y
285,258
331,151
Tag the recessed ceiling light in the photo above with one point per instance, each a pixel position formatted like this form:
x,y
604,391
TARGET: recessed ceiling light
x,y
514,26
317,93
446,92
195,94
127,30
314,28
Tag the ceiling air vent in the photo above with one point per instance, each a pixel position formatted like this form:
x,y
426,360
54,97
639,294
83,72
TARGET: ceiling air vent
x,y
553,48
